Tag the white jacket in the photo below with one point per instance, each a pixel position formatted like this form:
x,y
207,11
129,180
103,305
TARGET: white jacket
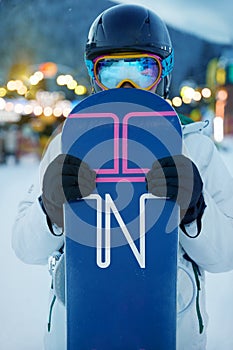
x,y
212,250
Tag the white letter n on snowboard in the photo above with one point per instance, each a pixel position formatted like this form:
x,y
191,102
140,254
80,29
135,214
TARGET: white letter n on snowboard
x,y
110,207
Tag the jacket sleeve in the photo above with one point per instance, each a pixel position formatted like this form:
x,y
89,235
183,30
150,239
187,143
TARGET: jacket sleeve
x,y
32,240
213,248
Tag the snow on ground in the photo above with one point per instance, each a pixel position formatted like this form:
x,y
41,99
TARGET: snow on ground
x,y
24,288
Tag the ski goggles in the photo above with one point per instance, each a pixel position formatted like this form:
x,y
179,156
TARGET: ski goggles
x,y
142,70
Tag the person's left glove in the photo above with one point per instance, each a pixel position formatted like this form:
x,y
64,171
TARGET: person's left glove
x,y
66,178
178,179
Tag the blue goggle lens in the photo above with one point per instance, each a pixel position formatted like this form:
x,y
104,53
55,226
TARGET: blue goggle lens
x,y
142,71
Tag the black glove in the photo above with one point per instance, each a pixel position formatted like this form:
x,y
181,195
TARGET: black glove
x,y
66,178
178,178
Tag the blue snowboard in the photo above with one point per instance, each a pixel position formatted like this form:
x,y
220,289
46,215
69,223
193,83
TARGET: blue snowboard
x,y
121,242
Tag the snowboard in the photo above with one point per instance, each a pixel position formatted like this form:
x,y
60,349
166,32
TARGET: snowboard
x,y
121,242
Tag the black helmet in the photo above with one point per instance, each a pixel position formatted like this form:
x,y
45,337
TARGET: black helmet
x,y
130,28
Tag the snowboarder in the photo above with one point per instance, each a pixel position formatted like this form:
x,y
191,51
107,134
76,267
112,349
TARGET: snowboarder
x,y
121,41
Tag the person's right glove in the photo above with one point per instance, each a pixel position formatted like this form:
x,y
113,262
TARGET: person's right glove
x,y
66,178
178,179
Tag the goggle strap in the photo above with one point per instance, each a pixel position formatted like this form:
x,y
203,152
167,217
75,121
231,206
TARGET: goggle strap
x,y
90,68
167,65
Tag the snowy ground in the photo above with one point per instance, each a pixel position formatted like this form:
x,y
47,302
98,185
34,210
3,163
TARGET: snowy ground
x,y
24,288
